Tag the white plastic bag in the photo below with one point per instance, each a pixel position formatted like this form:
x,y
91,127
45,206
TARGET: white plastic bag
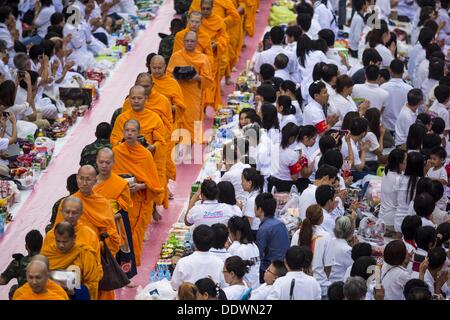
x,y
160,290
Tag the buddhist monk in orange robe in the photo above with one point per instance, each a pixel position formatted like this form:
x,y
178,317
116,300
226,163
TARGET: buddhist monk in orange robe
x,y
193,89
97,211
217,31
72,210
65,252
132,158
226,9
39,286
249,8
115,189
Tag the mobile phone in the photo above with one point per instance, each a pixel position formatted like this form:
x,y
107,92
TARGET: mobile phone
x,y
342,133
5,114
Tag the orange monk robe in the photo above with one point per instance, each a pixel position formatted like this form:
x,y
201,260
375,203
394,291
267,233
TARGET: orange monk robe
x,y
54,292
99,216
169,87
115,189
216,29
161,105
138,161
153,130
82,256
226,9
203,43
250,7
85,235
193,90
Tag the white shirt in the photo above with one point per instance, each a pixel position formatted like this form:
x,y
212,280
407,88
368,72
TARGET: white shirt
x,y
4,143
284,120
248,251
280,166
311,59
325,17
385,54
249,209
421,73
393,281
345,153
374,145
341,105
283,74
307,198
197,266
427,86
356,29
42,20
222,254
314,29
234,175
298,112
371,91
261,292
438,109
274,135
263,153
388,198
405,119
321,257
234,292
305,287
440,174
268,56
313,113
398,93
210,212
403,201
341,256
6,36
292,47
416,56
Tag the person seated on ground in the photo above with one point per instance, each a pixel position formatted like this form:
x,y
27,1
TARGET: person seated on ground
x,y
297,284
219,248
39,286
416,290
434,274
289,88
424,205
208,290
276,270
17,268
166,45
286,111
89,152
355,288
201,264
252,184
8,130
426,237
242,244
393,273
227,195
409,228
358,130
281,62
234,270
71,187
359,250
204,208
272,237
187,291
336,291
370,56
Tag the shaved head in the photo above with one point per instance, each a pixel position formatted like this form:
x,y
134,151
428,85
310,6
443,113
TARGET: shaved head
x,y
72,209
105,162
87,169
132,122
86,179
41,258
137,89
73,200
190,41
40,263
195,20
107,152
37,274
158,66
144,75
157,59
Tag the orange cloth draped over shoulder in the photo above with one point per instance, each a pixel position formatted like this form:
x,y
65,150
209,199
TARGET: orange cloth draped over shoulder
x,y
227,10
115,189
203,44
169,87
82,256
99,216
215,27
153,130
250,7
138,161
160,105
54,292
193,92
85,235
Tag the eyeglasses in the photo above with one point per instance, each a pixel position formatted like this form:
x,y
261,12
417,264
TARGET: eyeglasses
x,y
225,271
267,270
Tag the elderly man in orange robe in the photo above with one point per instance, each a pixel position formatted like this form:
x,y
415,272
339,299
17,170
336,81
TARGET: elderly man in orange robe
x,y
152,130
226,10
39,286
193,89
65,252
116,190
134,159
217,31
167,86
72,210
97,211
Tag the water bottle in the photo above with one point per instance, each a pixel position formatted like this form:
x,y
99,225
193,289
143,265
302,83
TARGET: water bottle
x,y
2,225
167,275
153,277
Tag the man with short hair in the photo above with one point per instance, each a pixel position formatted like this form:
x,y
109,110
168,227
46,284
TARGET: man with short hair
x,y
134,159
407,115
371,90
193,89
166,45
89,153
39,286
65,252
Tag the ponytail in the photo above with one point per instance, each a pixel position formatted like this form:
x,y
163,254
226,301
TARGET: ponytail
x,y
238,266
241,224
314,214
206,285
257,180
285,103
